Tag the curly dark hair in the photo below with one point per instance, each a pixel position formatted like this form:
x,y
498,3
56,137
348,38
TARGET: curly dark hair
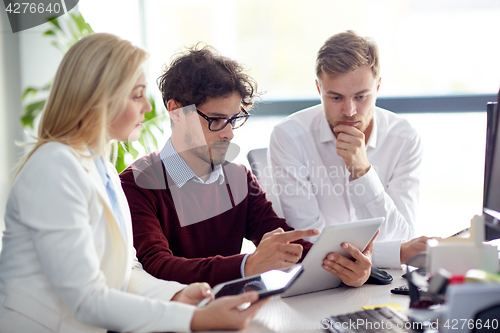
x,y
201,73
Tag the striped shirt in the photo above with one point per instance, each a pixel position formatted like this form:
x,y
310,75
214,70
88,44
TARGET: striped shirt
x,y
180,172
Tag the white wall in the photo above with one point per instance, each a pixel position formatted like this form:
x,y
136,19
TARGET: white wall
x,y
26,59
10,107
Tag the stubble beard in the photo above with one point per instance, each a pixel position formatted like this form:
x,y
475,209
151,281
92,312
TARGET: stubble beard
x,y
203,152
363,122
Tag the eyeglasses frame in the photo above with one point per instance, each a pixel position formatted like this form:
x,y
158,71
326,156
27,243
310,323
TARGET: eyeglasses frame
x,y
210,120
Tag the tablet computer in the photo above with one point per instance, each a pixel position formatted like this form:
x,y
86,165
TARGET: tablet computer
x,y
266,284
315,277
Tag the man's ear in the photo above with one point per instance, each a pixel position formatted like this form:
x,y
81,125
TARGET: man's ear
x,y
174,111
317,86
378,84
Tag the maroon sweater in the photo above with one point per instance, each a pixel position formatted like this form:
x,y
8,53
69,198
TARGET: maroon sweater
x,y
195,233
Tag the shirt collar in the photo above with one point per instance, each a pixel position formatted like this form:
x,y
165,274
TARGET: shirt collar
x,y
372,141
101,169
180,172
326,134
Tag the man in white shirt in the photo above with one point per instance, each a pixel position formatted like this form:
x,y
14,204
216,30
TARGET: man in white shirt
x,y
346,159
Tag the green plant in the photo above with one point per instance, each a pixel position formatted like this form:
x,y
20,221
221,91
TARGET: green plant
x,y
66,31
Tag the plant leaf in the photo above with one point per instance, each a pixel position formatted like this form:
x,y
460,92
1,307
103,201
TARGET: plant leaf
x,y
31,111
55,22
29,90
81,24
120,163
32,91
47,86
132,151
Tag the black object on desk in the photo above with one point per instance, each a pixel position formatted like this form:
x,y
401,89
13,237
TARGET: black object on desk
x,y
402,290
379,276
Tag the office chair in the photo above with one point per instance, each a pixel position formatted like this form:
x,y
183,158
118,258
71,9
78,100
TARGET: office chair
x,y
258,162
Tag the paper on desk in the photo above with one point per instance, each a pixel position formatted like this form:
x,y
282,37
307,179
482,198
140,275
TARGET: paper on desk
x,y
394,306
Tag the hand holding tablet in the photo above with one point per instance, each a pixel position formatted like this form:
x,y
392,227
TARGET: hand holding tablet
x,y
287,282
315,278
354,269
269,283
227,312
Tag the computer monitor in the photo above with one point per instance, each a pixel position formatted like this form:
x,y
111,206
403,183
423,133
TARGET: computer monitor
x,y
491,124
491,199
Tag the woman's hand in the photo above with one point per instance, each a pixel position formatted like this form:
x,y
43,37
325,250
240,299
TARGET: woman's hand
x,y
227,313
193,293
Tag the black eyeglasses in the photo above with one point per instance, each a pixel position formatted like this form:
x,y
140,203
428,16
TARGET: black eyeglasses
x,y
219,123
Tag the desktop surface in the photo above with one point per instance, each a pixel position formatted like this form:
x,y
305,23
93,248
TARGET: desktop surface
x,y
304,313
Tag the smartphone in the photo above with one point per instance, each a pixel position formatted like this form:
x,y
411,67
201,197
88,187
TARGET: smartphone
x,y
267,284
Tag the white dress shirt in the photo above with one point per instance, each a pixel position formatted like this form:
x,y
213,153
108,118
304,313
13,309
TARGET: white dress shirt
x,y
315,188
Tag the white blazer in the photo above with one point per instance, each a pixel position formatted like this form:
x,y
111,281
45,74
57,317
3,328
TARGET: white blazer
x,y
64,261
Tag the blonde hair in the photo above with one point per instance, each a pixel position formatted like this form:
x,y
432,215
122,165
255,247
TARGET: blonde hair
x,y
345,52
89,92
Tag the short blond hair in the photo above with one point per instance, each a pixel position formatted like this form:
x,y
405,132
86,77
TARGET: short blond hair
x,y
89,92
345,52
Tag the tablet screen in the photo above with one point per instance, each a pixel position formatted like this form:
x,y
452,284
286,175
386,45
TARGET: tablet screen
x,y
268,283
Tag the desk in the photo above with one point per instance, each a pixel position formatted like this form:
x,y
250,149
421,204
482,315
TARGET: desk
x,y
304,313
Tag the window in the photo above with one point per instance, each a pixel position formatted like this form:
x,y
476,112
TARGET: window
x,y
427,48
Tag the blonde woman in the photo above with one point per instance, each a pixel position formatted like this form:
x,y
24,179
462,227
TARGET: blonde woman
x,y
67,263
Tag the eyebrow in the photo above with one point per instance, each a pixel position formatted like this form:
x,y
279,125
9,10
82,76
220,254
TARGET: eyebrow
x,y
139,86
330,92
221,115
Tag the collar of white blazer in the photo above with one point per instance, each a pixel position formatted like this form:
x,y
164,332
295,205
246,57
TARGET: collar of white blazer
x,y
114,264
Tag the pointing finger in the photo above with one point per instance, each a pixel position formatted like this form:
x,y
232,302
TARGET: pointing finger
x,y
294,235
273,232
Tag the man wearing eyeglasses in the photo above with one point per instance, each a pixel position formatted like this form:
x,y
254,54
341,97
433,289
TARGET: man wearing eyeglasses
x,y
190,208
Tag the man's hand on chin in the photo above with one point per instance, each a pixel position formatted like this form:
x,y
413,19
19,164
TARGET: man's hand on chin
x,y
351,147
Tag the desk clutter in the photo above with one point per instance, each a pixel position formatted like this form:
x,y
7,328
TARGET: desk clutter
x,y
444,303
439,302
458,254
468,302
